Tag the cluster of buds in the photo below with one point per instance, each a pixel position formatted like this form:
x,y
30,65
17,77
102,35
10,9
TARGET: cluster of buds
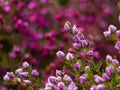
x,y
22,76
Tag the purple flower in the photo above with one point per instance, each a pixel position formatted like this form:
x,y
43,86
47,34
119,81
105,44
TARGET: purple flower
x,y
12,55
66,26
27,82
34,73
58,73
18,71
112,28
76,38
69,56
93,88
61,86
76,45
60,54
74,30
100,87
109,70
107,34
90,53
25,65
108,58
105,76
6,78
52,79
98,79
77,66
83,78
118,33
84,43
19,80
67,78
23,74
117,45
72,86
50,86
115,62
10,74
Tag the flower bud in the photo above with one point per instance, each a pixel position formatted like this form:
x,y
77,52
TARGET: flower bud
x,y
100,87
76,45
34,73
60,54
27,82
77,66
58,73
112,28
25,65
109,70
108,58
107,34
6,78
69,56
105,76
118,33
66,26
74,30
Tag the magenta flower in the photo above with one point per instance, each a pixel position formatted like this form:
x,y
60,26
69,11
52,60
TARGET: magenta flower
x,y
117,45
34,73
69,56
60,54
109,70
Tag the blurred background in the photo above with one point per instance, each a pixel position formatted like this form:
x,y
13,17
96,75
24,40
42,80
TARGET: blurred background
x,y
33,31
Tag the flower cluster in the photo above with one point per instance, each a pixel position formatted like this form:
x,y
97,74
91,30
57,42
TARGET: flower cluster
x,y
25,76
79,73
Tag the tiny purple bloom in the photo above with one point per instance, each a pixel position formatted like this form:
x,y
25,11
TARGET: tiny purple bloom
x,y
108,58
27,82
90,53
98,79
100,87
83,78
6,78
18,71
115,62
118,33
76,45
60,54
74,30
25,65
58,73
69,56
72,86
10,74
23,74
34,73
107,34
112,28
117,45
105,76
66,26
109,70
77,66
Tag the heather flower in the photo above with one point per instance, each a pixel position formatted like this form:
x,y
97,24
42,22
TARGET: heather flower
x,y
58,73
118,33
98,79
93,88
76,45
108,58
19,80
34,73
115,62
72,86
77,66
74,30
84,43
12,55
105,76
117,45
100,87
87,68
50,86
52,79
60,54
76,38
6,78
18,71
23,74
10,74
112,28
27,82
69,56
67,78
107,34
90,53
83,78
61,86
66,26
25,65
109,70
